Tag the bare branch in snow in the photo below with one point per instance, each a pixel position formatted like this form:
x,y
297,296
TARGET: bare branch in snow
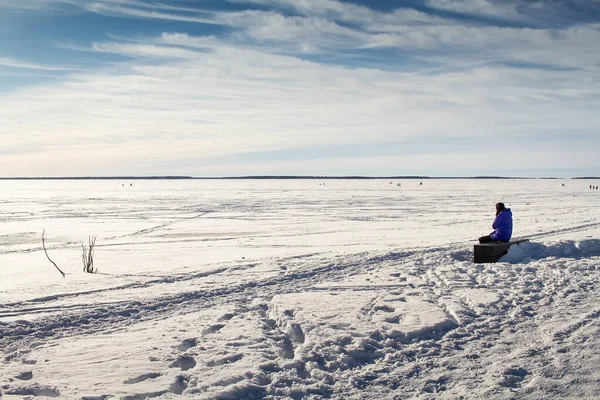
x,y
45,251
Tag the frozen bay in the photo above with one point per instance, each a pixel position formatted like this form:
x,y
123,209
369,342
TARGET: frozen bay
x,y
364,289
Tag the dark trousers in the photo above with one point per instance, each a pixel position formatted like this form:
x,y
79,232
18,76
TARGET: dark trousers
x,y
486,239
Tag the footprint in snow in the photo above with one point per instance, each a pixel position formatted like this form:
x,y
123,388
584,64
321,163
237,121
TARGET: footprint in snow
x,y
25,376
214,328
512,377
187,344
34,390
229,359
141,378
226,317
184,362
180,384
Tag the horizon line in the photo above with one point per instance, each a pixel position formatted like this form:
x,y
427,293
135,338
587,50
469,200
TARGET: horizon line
x,y
265,177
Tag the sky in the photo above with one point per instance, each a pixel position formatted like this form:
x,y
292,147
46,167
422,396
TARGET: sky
x,y
299,87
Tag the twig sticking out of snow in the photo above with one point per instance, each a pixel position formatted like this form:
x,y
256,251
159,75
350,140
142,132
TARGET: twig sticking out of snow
x,y
88,255
45,251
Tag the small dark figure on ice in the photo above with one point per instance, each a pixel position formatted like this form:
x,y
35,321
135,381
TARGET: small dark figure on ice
x,y
502,225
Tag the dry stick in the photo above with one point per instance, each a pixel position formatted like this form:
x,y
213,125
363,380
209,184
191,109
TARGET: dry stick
x,y
84,258
44,246
88,255
92,242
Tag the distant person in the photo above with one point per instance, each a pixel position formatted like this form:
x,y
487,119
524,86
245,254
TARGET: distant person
x,y
503,225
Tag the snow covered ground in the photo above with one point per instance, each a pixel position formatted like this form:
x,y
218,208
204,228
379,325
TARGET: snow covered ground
x,y
298,289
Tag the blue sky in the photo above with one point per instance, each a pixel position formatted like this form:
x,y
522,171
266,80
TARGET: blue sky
x,y
299,87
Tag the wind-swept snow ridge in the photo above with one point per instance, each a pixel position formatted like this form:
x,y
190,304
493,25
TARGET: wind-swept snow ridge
x,y
530,251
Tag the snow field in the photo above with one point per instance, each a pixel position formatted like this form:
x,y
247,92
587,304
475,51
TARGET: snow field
x,y
288,289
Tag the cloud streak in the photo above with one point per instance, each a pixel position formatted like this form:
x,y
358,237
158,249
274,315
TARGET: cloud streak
x,y
15,63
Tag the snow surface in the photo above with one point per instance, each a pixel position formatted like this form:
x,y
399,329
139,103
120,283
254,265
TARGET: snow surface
x,y
298,289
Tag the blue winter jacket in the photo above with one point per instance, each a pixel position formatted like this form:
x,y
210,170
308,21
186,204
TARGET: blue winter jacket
x,y
503,225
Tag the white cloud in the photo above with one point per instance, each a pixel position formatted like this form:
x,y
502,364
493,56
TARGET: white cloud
x,y
118,10
351,12
325,8
183,39
144,50
196,105
15,63
294,34
403,29
180,98
493,9
515,163
55,5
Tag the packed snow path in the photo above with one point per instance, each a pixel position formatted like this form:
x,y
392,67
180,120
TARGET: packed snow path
x,y
345,321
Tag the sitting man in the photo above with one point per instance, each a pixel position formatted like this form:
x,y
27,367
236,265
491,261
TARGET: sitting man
x,y
502,225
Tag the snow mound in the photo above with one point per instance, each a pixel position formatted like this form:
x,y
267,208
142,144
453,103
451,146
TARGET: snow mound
x,y
529,251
